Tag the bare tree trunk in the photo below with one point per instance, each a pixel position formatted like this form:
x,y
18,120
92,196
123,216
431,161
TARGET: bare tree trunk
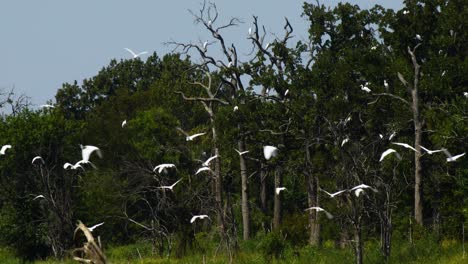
x,y
358,243
277,201
245,194
263,189
312,199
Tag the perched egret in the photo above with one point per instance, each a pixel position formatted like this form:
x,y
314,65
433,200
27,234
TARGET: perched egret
x,y
230,64
279,189
241,153
203,169
344,141
319,209
163,166
135,55
430,152
124,123
405,12
86,152
4,148
205,45
169,187
404,145
250,31
236,108
269,152
381,136
91,229
360,188
286,93
37,158
209,23
365,88
373,48
195,217
207,162
39,196
465,94
332,195
190,138
392,136
418,37
387,152
451,158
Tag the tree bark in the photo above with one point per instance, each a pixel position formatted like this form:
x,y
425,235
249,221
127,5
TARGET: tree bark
x,y
277,201
245,194
312,200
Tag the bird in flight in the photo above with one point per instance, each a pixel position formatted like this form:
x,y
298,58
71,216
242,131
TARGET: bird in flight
x,y
39,196
162,167
135,55
332,195
203,169
169,187
37,158
269,152
207,162
91,229
241,153
319,209
405,145
4,148
86,152
430,152
195,217
192,137
387,152
279,189
451,158
360,188
46,106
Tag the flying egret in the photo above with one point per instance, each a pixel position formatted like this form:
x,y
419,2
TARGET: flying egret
x,y
169,187
163,166
360,188
134,54
332,195
465,94
86,151
430,152
203,169
37,158
279,189
286,93
405,145
190,138
250,31
392,136
91,229
4,148
387,152
124,123
267,45
205,44
344,141
451,158
195,217
46,106
241,153
365,88
269,152
207,162
235,108
319,209
39,196
418,37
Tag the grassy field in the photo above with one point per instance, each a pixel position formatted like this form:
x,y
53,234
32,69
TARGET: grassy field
x,y
424,252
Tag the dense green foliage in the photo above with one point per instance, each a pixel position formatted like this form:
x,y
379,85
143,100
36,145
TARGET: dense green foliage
x,y
330,134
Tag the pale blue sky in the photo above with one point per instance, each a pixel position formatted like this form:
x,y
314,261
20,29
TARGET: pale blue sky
x,y
46,43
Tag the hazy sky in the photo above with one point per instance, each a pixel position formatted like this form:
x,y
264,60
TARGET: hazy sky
x,y
46,43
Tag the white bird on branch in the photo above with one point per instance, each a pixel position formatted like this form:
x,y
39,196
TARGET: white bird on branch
x,y
37,158
162,167
332,195
360,188
235,108
124,123
241,153
203,169
365,88
387,152
279,189
418,37
169,187
319,209
86,152
135,55
195,217
207,162
451,158
430,152
405,145
385,83
4,148
269,152
91,229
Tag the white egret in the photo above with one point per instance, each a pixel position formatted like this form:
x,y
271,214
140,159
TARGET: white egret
x,y
169,187
207,162
286,93
405,145
37,158
381,136
190,138
4,148
451,158
373,48
91,229
465,94
332,195
163,166
235,108
385,84
205,45
46,106
360,188
344,141
250,31
418,37
39,196
203,169
365,88
135,55
443,73
279,189
267,45
319,209
269,152
195,217
405,12
71,166
86,151
387,152
230,64
430,152
392,136
124,123
241,153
